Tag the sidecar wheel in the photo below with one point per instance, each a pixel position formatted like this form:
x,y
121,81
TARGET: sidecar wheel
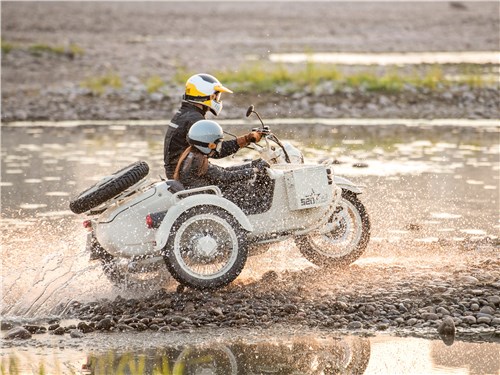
x,y
109,187
343,239
207,249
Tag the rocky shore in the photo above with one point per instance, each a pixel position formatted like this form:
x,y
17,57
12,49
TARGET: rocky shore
x,y
133,102
464,300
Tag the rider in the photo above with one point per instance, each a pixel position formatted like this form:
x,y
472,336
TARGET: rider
x,y
203,93
194,169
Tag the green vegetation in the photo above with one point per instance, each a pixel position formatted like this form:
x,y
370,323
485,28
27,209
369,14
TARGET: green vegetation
x,y
154,84
39,49
98,85
257,77
7,47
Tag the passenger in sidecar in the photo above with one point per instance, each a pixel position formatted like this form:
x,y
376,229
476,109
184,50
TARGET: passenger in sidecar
x,y
242,184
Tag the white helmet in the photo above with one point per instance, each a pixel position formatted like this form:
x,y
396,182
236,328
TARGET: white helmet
x,y
205,89
206,136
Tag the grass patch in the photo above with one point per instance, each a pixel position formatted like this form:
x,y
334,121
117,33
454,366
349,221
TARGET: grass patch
x,y
270,78
98,85
256,76
40,49
7,47
154,84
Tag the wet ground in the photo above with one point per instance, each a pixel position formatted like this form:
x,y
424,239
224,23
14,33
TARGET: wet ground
x,y
431,192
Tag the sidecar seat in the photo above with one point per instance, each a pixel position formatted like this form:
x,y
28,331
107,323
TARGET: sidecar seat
x,y
174,186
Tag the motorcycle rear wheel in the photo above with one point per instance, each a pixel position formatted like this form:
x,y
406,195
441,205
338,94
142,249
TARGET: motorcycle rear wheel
x,y
343,240
207,249
109,187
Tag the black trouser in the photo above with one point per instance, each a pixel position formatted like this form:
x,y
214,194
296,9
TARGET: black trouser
x,y
251,197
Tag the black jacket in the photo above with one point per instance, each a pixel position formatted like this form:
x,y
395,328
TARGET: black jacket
x,y
176,137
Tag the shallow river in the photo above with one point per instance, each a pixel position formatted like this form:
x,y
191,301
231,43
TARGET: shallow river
x,y
423,184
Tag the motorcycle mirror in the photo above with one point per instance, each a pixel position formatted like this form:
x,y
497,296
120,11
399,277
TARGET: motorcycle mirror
x,y
250,110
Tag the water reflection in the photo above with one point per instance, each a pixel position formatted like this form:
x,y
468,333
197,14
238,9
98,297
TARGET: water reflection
x,y
301,355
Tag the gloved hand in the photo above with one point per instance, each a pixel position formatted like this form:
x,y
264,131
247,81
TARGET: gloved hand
x,y
253,137
260,164
245,140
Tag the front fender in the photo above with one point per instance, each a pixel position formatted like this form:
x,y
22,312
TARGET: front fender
x,y
163,232
345,184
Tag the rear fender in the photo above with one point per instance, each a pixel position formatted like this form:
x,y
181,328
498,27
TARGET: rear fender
x,y
163,232
345,184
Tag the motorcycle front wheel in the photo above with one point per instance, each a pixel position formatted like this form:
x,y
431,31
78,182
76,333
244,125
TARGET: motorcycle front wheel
x,y
344,237
207,249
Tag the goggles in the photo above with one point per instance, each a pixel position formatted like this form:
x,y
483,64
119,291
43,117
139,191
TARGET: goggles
x,y
217,145
216,96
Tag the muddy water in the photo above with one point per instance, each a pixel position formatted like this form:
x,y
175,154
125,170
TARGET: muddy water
x,y
423,185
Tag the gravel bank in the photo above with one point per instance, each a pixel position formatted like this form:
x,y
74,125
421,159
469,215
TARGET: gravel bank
x,y
369,298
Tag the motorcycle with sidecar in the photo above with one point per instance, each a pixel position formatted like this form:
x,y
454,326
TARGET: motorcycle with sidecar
x,y
138,228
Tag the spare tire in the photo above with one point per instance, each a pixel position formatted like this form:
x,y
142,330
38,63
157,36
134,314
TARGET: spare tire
x,y
109,187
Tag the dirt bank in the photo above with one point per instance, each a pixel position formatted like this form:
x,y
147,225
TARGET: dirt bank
x,y
140,40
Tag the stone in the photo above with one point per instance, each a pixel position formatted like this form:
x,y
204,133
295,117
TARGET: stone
x,y
123,327
469,320
447,327
340,305
483,319
6,325
18,333
76,334
468,279
442,310
487,310
430,316
33,328
354,325
494,300
59,331
290,308
382,326
84,327
104,324
411,322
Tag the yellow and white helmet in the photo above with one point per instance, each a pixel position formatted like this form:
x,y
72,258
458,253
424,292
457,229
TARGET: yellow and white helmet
x,y
205,89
